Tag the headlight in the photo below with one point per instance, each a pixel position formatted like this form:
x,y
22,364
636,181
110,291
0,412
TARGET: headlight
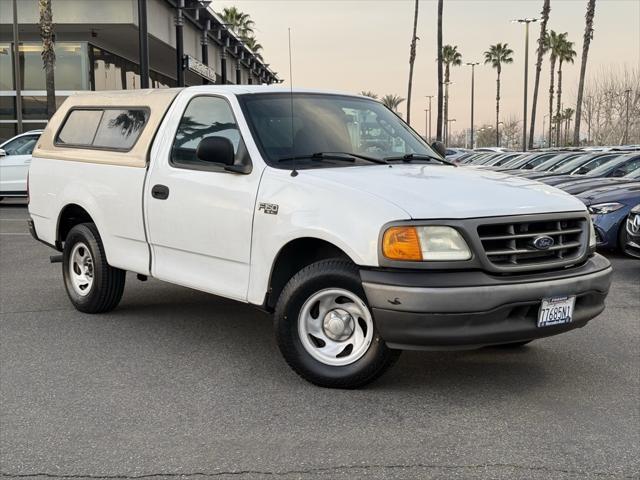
x,y
417,244
604,208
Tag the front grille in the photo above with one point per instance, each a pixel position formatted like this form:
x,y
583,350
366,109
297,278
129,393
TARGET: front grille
x,y
511,245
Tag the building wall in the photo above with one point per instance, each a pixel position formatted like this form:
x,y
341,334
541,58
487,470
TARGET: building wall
x,y
81,12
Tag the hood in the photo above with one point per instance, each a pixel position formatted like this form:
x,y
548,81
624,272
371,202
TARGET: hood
x,y
628,193
440,191
580,186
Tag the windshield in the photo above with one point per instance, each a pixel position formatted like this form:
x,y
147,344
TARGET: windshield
x,y
329,124
633,175
586,164
557,160
620,166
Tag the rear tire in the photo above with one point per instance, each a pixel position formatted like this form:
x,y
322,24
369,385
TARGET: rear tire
x,y
93,286
325,330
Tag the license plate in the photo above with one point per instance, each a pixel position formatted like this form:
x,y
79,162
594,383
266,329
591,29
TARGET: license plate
x,y
556,311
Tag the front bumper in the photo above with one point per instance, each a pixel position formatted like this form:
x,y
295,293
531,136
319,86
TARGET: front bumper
x,y
458,310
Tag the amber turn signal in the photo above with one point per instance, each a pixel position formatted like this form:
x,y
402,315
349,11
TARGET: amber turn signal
x,y
401,243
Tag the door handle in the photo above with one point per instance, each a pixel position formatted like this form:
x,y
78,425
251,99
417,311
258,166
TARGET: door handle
x,y
161,192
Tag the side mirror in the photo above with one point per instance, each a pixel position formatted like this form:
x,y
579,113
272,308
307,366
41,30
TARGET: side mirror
x,y
582,171
439,148
618,173
216,150
3,153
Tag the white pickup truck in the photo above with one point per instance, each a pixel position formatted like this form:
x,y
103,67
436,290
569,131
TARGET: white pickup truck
x,y
325,209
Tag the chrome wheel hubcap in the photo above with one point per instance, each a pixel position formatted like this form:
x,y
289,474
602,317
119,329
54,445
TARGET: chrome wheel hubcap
x,y
335,327
81,269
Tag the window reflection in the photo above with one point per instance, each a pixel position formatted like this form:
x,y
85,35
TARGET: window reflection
x,y
112,72
71,71
6,67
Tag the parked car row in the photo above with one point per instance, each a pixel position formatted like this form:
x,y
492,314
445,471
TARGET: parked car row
x,y
606,181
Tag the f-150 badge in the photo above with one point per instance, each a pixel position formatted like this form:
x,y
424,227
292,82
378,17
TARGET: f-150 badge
x,y
268,208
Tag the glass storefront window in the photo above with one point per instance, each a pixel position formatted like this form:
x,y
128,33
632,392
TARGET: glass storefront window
x,y
7,108
71,72
6,67
112,72
35,108
7,130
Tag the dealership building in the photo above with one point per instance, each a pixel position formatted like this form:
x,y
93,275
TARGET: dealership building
x,y
97,46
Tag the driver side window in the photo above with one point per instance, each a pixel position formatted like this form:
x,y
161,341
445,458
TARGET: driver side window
x,y
205,117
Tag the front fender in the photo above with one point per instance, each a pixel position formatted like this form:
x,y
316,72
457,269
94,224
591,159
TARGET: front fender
x,y
307,207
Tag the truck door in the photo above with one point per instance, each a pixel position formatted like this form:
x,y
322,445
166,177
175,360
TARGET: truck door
x,y
199,216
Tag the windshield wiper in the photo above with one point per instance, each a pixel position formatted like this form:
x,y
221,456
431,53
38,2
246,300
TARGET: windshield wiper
x,y
417,156
339,156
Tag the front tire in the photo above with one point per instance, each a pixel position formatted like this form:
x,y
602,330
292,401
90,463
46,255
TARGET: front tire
x,y
93,286
325,329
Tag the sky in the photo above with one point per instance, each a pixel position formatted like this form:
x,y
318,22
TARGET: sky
x,y
355,45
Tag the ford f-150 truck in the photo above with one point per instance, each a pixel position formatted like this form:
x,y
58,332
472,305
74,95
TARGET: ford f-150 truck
x,y
325,209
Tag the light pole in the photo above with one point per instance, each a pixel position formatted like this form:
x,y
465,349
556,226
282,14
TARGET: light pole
x,y
626,127
473,74
449,122
16,69
429,122
143,43
446,110
526,21
544,121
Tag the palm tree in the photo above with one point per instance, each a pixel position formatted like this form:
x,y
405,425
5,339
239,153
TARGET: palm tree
x,y
567,115
497,55
439,117
48,53
412,58
254,46
586,42
450,56
240,22
566,53
552,44
392,101
546,9
369,93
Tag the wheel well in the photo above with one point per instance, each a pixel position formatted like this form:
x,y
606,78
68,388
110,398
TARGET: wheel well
x,y
71,216
292,258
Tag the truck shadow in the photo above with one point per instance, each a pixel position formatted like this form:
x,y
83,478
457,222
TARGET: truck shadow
x,y
243,335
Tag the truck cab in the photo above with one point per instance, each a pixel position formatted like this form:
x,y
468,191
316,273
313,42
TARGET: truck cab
x,y
323,208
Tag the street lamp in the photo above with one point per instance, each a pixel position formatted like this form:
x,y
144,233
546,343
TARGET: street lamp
x,y
449,122
446,110
473,71
526,21
626,127
429,119
544,121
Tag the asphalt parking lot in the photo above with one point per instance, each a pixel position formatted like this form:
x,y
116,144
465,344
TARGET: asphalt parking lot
x,y
179,384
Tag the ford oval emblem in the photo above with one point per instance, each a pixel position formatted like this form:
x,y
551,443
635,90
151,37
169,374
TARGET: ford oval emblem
x,y
543,242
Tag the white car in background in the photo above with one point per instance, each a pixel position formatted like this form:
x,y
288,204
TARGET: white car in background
x,y
15,158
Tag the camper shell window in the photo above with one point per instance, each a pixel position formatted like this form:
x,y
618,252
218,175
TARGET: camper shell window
x,y
115,129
